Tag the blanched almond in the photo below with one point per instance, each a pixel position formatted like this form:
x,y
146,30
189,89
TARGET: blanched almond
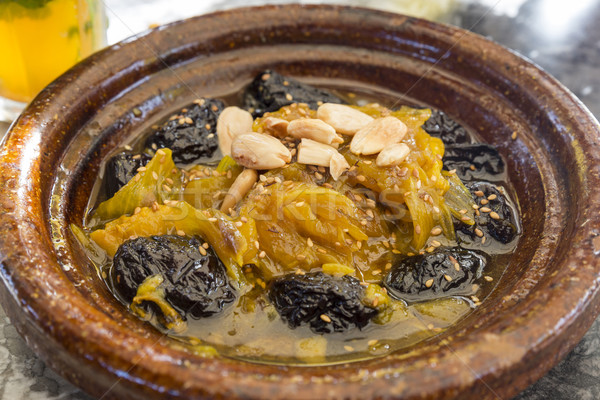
x,y
242,184
314,153
377,135
258,151
392,155
345,120
338,165
233,121
314,129
276,126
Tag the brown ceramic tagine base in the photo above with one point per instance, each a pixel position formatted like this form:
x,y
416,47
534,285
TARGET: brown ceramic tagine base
x,y
546,300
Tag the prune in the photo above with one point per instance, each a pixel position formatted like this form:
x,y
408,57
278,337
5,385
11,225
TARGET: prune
x,y
194,284
497,219
189,135
304,299
270,91
474,162
434,275
442,126
120,169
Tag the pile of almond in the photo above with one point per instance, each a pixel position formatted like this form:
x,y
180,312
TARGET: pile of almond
x,y
319,141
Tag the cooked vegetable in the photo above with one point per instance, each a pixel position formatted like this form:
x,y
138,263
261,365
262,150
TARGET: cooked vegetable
x,y
120,169
194,280
325,303
474,162
269,91
191,133
158,181
445,272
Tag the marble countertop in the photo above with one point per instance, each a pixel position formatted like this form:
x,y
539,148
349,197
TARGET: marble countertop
x,y
562,37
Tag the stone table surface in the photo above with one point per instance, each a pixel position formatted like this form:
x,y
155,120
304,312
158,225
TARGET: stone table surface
x,y
562,37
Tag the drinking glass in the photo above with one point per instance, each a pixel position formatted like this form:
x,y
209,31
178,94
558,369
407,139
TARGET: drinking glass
x,y
39,40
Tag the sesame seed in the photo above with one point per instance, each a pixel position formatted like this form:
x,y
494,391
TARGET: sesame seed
x,y
137,157
359,244
325,318
239,224
277,179
337,244
210,136
262,254
478,232
415,173
418,229
452,172
363,222
202,250
465,219
361,178
318,175
181,121
299,272
188,120
483,239
396,251
448,277
436,231
207,127
180,232
435,243
154,175
212,219
475,207
265,77
513,136
370,213
300,257
229,174
457,267
371,203
348,348
429,283
169,181
492,197
299,204
138,177
484,201
363,283
479,193
320,168
488,278
137,210
494,215
244,219
167,188
463,211
288,97
309,242
377,272
436,210
430,249
375,301
372,342
322,251
472,167
256,244
128,147
475,299
141,169
205,245
155,206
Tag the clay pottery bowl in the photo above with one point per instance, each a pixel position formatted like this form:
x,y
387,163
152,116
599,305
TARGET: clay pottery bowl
x,y
540,308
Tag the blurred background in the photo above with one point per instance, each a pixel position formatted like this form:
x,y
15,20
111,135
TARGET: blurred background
x,y
563,37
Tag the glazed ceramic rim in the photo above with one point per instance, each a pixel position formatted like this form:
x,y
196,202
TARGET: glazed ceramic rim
x,y
478,364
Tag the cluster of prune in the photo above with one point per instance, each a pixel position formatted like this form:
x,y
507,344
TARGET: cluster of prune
x,y
447,271
270,91
194,284
323,302
474,161
120,169
497,219
192,135
442,126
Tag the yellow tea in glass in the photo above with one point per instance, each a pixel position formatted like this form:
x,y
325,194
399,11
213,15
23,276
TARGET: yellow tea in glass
x,y
40,39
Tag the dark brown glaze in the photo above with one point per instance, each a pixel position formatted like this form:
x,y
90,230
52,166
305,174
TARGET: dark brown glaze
x,y
539,310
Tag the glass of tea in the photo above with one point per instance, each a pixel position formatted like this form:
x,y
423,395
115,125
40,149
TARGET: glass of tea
x,y
39,40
